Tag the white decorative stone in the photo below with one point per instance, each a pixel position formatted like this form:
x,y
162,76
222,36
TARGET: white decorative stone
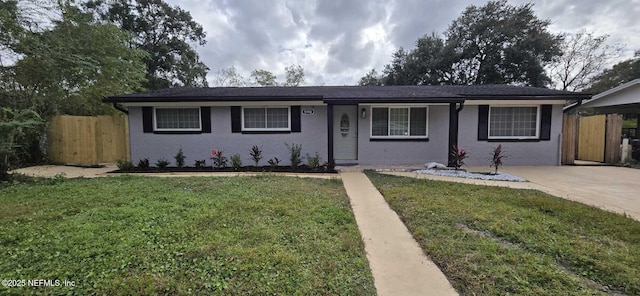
x,y
435,166
470,175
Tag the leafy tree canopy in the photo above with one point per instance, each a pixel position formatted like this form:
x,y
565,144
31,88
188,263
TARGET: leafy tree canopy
x,y
620,73
294,75
70,66
496,43
263,78
500,43
165,32
371,78
9,23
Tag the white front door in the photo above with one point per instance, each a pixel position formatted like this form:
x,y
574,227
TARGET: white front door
x,y
345,132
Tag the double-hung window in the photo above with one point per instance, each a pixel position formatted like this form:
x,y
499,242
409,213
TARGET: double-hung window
x,y
177,119
266,119
514,122
399,122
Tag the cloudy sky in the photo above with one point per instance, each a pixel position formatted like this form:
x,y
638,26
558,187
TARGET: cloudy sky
x,y
337,42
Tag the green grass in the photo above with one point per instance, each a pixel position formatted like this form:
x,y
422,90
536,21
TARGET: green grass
x,y
135,235
491,240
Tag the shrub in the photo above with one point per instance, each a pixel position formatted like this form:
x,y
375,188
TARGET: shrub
x,y
143,163
294,152
16,128
124,165
256,153
236,161
179,158
219,161
497,156
315,161
162,163
200,164
274,162
459,155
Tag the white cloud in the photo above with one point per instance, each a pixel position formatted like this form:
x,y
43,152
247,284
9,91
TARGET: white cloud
x,y
337,42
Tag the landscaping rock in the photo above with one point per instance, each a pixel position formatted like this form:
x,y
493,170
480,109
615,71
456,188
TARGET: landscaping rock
x,y
500,176
436,166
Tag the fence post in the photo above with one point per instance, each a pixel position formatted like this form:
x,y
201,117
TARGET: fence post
x,y
569,139
613,136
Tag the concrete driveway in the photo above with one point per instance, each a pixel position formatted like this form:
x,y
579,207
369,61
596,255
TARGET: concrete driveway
x,y
616,189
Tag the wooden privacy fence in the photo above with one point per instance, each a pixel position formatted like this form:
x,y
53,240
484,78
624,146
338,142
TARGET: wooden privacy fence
x,y
591,138
87,140
613,139
569,138
594,138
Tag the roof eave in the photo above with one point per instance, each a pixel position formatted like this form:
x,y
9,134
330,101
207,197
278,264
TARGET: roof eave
x,y
530,97
400,100
208,99
616,89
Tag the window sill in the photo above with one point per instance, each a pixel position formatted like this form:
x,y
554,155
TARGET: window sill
x,y
264,132
177,132
398,139
513,140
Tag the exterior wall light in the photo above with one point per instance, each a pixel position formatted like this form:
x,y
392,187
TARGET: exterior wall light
x,y
363,113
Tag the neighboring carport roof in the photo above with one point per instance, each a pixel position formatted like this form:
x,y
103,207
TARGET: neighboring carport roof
x,y
622,99
348,94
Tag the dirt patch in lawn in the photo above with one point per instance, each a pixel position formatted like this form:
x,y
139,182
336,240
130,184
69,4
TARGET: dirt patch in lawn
x,y
50,171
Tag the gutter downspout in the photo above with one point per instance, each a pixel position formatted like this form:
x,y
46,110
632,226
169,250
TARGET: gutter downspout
x,y
454,114
578,104
120,108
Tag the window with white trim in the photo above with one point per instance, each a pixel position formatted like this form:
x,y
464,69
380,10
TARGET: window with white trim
x,y
266,119
177,119
399,122
514,122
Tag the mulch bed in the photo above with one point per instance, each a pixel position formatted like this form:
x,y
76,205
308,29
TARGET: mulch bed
x,y
253,169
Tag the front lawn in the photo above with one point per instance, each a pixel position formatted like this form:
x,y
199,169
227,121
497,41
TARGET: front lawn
x,y
497,241
142,235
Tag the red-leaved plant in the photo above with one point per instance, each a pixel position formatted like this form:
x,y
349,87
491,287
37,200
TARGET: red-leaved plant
x,y
219,161
458,155
496,160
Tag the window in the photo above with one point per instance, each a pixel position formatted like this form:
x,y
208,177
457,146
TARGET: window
x,y
399,122
177,119
269,119
513,122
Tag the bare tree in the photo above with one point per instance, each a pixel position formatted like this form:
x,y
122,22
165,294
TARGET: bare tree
x,y
229,77
583,57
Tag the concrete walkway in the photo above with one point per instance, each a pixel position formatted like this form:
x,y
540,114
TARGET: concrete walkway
x,y
398,264
614,189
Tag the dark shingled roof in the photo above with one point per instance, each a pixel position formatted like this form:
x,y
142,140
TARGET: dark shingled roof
x,y
349,94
